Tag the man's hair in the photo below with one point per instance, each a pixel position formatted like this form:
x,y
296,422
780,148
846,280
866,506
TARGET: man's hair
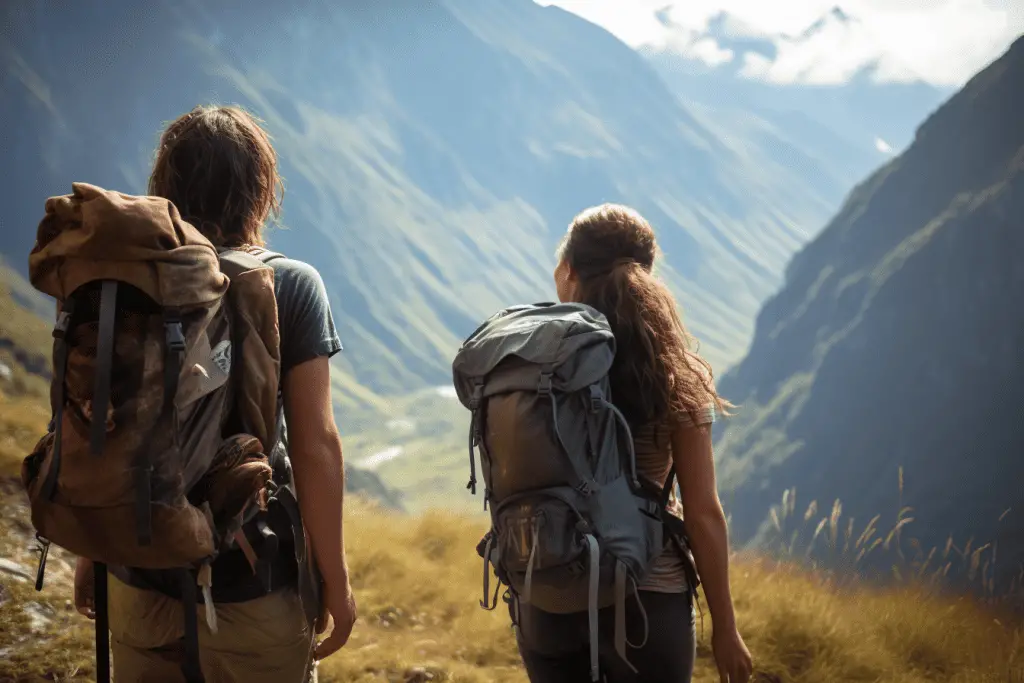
x,y
217,166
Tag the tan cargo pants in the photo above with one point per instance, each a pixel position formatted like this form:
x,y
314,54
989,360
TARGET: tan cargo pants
x,y
265,640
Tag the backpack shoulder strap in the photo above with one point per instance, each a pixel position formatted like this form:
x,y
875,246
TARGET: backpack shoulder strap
x,y
267,256
264,255
234,262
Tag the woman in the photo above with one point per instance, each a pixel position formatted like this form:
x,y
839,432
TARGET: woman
x,y
218,167
666,393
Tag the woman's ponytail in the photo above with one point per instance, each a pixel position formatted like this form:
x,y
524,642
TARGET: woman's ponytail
x,y
656,374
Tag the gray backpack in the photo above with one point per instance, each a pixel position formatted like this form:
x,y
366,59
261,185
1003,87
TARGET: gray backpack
x,y
572,527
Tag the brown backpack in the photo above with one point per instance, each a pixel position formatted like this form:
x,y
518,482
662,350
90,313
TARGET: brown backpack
x,y
152,327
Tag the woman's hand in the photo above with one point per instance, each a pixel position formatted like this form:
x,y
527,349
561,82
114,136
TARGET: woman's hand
x,y
85,588
731,656
709,536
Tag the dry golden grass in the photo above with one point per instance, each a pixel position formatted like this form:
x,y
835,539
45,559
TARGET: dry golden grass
x,y
799,627
852,554
418,583
22,422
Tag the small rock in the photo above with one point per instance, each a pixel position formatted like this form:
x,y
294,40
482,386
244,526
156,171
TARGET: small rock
x,y
39,619
16,570
418,675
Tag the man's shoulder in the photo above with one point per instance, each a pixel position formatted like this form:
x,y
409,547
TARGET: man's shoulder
x,y
284,263
294,275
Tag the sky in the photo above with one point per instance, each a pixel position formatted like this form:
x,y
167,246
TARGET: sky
x,y
942,42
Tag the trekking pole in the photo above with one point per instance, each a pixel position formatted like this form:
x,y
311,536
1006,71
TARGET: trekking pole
x,y
102,623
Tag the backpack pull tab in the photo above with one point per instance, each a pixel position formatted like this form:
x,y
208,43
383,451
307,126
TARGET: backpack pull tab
x,y
44,550
205,582
486,602
474,433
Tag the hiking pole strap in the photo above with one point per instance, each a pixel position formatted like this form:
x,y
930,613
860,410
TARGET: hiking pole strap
x,y
102,622
190,665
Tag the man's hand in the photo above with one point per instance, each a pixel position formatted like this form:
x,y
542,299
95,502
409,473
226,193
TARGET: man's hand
x,y
341,605
85,588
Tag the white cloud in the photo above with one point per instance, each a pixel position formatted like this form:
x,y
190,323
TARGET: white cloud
x,y
708,51
883,146
943,42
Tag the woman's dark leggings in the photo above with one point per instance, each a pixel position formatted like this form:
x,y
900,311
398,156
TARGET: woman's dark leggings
x,y
555,648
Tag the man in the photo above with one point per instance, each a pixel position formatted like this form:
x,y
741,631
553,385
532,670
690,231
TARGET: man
x,y
218,167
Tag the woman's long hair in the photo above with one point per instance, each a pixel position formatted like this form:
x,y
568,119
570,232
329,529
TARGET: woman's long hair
x,y
657,374
218,167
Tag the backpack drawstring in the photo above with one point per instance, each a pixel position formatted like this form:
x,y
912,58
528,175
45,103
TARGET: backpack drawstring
x,y
528,586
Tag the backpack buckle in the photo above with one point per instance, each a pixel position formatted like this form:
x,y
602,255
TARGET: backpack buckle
x,y
596,398
174,336
544,387
61,327
585,488
477,396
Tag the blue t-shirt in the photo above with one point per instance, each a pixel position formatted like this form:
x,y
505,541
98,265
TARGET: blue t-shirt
x,y
303,312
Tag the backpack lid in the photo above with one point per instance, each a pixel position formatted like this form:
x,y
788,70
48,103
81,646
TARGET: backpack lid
x,y
93,234
571,341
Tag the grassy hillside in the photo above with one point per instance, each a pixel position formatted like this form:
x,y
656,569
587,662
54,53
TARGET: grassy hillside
x,y
24,336
417,584
419,446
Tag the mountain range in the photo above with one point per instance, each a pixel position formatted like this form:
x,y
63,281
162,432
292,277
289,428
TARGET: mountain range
x,y
433,152
886,371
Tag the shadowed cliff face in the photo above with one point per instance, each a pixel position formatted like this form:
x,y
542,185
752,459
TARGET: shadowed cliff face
x,y
433,154
895,341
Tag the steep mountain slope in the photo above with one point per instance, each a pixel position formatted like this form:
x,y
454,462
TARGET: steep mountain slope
x,y
433,153
896,342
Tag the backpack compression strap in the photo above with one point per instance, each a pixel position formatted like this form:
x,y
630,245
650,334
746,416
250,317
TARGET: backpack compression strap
x,y
61,330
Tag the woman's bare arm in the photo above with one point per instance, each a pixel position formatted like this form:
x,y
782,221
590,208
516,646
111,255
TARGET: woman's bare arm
x,y
704,518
